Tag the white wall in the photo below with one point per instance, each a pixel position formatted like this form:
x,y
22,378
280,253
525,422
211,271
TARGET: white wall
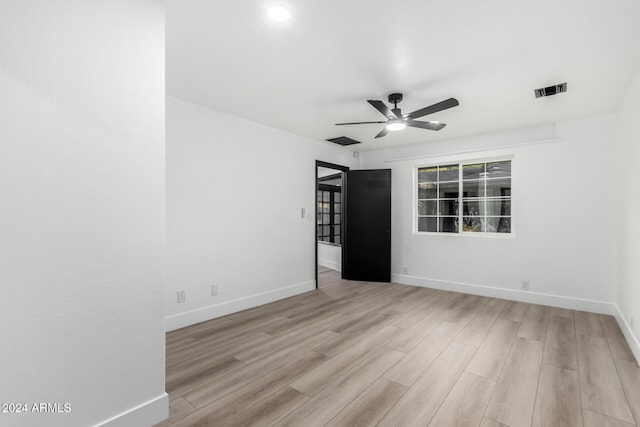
x,y
330,256
628,298
82,211
235,190
565,216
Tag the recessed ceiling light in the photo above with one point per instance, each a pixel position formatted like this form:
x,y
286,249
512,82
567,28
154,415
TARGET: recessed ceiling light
x,y
279,13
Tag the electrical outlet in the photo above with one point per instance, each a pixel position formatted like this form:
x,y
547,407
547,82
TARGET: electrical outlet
x,y
525,285
405,270
181,296
214,290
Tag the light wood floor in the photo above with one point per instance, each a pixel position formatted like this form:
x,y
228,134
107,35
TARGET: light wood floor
x,y
365,354
327,276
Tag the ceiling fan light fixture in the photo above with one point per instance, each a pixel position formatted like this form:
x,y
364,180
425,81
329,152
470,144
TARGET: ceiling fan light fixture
x,y
279,13
395,125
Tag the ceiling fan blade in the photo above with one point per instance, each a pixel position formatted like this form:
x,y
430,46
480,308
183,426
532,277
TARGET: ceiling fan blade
x,y
380,106
425,125
382,133
357,123
443,105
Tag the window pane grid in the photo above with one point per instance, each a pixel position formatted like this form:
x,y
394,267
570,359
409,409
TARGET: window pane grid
x,y
329,208
438,198
487,197
476,195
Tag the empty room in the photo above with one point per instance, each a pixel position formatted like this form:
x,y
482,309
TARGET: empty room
x,y
295,213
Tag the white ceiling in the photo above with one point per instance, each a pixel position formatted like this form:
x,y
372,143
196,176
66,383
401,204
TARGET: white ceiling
x,y
320,67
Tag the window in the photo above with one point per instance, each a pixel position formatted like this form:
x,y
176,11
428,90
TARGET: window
x,y
481,189
329,212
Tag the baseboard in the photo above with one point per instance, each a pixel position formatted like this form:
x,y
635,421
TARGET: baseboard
x,y
330,264
632,340
146,414
181,320
510,294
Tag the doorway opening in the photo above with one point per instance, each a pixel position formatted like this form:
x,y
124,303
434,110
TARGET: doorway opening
x,y
330,221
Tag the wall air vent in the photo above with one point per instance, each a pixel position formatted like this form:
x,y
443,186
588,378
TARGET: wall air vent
x,y
551,90
343,140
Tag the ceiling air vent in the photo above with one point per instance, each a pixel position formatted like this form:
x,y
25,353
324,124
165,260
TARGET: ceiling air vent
x,y
343,140
551,90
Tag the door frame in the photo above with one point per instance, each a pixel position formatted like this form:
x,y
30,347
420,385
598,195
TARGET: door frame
x,y
343,170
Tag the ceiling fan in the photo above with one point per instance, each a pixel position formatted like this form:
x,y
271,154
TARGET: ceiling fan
x,y
398,121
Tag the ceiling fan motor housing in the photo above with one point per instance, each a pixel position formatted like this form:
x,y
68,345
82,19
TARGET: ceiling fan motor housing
x,y
394,98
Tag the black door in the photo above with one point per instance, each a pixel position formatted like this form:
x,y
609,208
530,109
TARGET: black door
x,y
366,249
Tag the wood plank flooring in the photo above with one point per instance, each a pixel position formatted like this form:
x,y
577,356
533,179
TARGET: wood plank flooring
x,y
380,354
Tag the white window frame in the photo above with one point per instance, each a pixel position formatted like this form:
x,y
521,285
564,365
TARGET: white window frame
x,y
461,232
